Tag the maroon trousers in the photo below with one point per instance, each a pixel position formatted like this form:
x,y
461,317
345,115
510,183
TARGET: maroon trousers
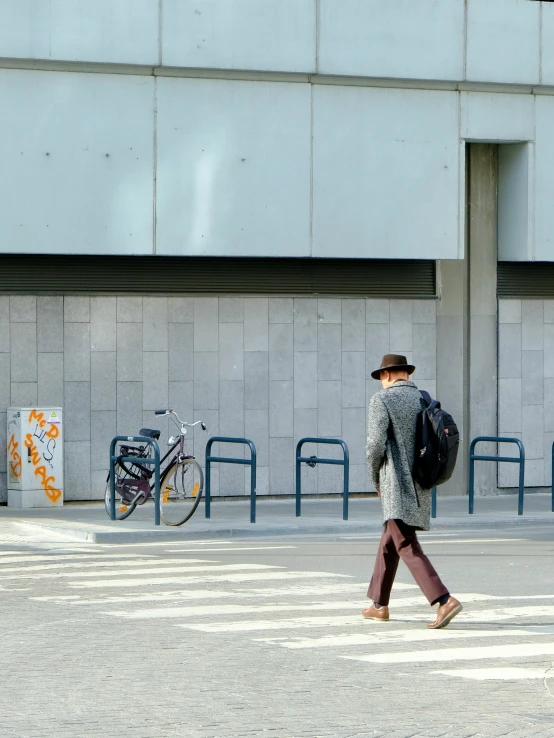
x,y
399,541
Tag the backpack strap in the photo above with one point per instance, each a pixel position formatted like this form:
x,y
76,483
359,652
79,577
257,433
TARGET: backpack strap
x,y
431,404
426,396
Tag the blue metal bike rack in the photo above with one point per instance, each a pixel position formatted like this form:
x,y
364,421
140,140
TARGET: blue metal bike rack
x,y
507,459
313,460
224,459
434,502
553,477
136,460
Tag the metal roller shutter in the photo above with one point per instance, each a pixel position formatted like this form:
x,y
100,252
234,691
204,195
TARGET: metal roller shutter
x,y
526,279
140,275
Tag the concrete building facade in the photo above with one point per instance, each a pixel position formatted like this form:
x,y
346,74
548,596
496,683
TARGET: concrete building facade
x,y
276,130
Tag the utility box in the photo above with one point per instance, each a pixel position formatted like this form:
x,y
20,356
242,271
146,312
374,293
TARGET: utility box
x,y
35,457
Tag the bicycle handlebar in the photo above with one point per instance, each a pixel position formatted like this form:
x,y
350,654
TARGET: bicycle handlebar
x,y
182,422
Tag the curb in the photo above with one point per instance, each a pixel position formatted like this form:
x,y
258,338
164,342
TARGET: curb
x,y
89,535
168,534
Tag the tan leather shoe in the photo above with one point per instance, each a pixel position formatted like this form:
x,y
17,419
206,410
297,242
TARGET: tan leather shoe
x,y
372,613
446,613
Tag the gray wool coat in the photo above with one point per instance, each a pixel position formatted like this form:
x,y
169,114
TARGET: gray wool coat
x,y
390,454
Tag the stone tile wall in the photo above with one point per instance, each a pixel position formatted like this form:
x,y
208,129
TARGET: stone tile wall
x,y
270,369
526,387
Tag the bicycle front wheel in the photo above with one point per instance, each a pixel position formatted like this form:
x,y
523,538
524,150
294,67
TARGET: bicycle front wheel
x,y
180,491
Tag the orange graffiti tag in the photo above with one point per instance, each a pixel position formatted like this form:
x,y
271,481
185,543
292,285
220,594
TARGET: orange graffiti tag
x,y
15,458
53,431
47,482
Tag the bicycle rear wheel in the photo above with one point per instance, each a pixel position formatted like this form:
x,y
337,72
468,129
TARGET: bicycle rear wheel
x,y
180,491
123,504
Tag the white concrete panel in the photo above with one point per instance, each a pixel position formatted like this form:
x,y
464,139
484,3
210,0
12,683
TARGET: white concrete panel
x,y
233,168
544,180
492,116
392,38
385,173
77,163
277,35
514,202
116,31
547,56
503,41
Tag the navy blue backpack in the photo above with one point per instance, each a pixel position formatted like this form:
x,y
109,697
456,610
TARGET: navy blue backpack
x,y
437,443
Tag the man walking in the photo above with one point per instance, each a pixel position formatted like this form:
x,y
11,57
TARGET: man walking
x,y
406,506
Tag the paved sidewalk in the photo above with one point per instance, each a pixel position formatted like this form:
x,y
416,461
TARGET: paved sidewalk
x,y
89,522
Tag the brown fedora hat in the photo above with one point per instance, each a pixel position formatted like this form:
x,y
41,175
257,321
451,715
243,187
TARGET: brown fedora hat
x,y
393,362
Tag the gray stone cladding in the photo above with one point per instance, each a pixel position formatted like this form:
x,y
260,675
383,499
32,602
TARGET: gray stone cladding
x,y
526,387
271,369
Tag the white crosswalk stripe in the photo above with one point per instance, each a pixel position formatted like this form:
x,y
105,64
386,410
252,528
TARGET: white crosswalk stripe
x,y
209,542
296,591
398,636
235,578
14,557
459,654
228,548
492,615
474,541
218,610
246,626
281,607
93,565
181,568
512,673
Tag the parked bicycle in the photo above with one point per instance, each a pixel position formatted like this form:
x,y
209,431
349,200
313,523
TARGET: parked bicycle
x,y
181,478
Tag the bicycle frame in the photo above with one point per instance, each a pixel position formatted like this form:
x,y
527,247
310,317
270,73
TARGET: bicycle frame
x,y
180,455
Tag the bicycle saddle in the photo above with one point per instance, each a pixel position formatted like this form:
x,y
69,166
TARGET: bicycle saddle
x,y
149,433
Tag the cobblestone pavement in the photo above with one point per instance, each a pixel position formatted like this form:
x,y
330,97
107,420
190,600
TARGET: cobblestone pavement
x,y
230,639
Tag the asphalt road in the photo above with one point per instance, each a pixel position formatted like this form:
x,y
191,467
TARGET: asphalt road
x,y
235,638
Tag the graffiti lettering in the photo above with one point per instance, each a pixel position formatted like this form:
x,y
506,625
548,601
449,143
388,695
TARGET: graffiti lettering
x,y
50,449
46,433
47,482
15,458
52,432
